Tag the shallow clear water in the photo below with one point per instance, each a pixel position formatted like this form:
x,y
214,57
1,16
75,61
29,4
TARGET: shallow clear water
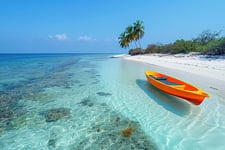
x,y
90,101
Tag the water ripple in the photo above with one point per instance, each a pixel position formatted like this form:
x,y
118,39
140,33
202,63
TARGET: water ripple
x,y
170,103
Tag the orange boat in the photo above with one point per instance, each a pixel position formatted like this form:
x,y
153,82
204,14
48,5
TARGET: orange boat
x,y
176,87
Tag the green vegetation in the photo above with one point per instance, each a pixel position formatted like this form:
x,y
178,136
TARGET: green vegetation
x,y
206,43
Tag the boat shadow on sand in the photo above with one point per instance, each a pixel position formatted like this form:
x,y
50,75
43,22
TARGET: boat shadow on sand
x,y
169,102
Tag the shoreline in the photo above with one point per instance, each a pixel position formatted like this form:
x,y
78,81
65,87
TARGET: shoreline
x,y
196,64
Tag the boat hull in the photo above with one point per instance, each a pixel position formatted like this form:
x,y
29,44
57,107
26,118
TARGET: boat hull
x,y
178,88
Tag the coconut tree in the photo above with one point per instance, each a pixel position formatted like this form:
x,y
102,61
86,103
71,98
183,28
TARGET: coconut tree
x,y
123,40
131,34
138,31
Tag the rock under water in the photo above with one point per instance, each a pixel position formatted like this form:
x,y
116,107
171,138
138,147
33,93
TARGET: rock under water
x,y
56,114
103,94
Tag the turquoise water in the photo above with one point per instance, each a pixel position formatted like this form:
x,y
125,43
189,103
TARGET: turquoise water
x,y
74,101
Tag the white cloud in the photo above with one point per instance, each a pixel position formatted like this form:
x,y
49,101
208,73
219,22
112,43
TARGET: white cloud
x,y
60,37
86,38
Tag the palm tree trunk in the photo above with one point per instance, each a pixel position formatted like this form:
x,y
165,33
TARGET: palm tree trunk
x,y
139,43
135,43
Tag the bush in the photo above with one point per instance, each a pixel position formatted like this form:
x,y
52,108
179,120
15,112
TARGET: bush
x,y
182,46
206,36
152,49
136,51
216,47
206,43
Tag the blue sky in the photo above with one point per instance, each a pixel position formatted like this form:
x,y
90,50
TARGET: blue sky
x,y
90,26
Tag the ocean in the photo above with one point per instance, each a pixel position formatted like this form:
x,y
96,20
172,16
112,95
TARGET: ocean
x,y
93,102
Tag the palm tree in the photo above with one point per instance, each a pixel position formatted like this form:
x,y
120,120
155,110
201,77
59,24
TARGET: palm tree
x,y
130,34
123,40
138,31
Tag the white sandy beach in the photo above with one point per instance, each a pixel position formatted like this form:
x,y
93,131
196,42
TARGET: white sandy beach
x,y
197,64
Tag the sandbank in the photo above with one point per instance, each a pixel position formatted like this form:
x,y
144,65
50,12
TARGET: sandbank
x,y
213,67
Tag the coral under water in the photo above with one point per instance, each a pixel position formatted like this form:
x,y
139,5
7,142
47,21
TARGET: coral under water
x,y
56,114
127,132
105,131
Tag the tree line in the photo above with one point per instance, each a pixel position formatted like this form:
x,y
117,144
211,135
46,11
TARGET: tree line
x,y
208,42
